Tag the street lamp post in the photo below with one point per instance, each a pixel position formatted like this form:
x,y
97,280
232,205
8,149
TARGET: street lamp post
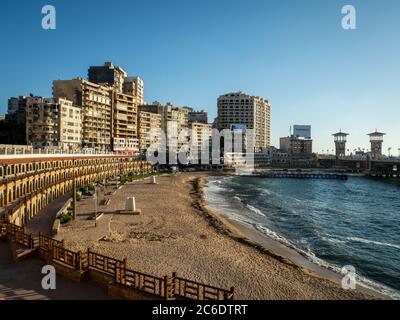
x,y
95,206
74,193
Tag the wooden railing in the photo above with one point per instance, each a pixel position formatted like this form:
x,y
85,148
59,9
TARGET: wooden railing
x,y
24,239
104,263
3,226
198,291
13,228
163,287
47,243
73,259
141,281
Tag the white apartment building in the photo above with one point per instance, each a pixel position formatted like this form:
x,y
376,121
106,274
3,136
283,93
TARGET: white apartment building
x,y
239,108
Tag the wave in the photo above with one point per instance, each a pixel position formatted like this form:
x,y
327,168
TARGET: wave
x,y
333,240
397,246
255,210
360,280
272,234
308,254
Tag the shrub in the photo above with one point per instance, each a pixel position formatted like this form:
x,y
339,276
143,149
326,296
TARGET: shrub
x,y
65,217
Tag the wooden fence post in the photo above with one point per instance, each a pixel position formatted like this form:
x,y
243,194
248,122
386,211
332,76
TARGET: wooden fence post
x,y
232,292
40,239
125,264
166,287
117,271
80,260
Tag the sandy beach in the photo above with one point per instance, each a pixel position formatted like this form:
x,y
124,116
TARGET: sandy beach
x,y
176,233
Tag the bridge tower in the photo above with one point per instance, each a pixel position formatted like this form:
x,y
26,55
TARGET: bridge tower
x,y
340,143
376,140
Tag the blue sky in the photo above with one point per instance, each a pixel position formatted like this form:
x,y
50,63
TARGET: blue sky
x,y
293,52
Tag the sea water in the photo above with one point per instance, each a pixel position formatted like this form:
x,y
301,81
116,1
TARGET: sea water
x,y
331,222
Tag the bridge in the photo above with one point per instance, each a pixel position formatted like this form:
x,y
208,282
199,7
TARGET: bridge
x,y
388,167
300,175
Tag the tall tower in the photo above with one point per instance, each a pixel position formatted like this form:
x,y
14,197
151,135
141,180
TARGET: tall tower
x,y
376,140
340,143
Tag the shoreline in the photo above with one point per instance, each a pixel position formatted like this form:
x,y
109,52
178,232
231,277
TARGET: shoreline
x,y
249,235
175,234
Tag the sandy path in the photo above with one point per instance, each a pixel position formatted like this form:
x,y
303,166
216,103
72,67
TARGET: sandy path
x,y
171,235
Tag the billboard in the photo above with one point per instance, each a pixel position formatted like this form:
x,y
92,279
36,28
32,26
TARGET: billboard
x,y
238,127
301,131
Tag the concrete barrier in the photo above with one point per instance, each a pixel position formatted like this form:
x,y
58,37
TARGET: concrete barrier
x,y
56,227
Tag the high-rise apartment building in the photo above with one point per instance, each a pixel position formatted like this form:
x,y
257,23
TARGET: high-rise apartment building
x,y
150,126
174,123
53,122
254,112
108,75
134,87
96,103
200,135
125,123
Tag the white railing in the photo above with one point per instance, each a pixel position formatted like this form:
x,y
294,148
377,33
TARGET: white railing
x,y
29,152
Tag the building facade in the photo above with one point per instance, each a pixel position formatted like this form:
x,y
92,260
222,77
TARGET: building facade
x,y
149,129
134,86
96,103
108,75
13,128
295,146
174,123
197,116
175,126
53,122
252,111
125,123
200,137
